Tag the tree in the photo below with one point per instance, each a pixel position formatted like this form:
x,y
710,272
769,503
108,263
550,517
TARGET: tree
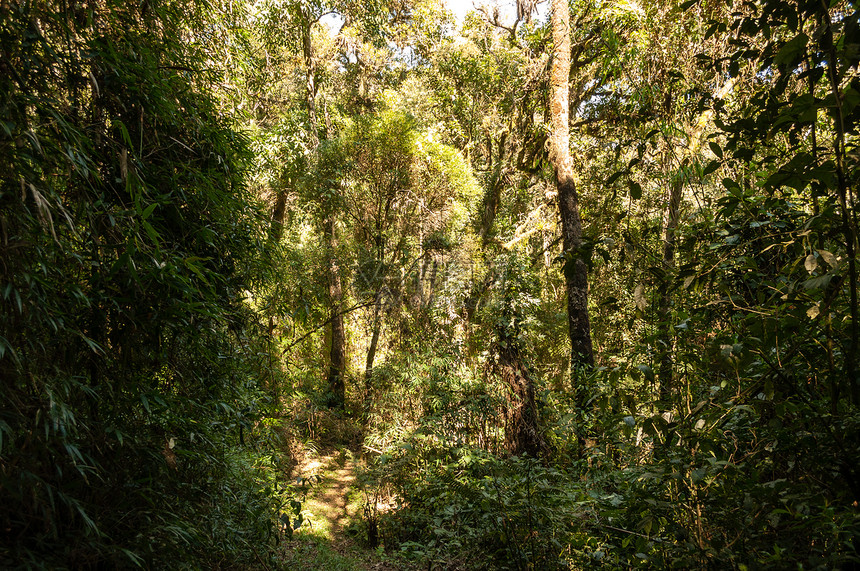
x,y
575,269
522,423
393,187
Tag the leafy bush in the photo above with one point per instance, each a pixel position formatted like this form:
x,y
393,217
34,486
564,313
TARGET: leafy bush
x,y
487,512
129,241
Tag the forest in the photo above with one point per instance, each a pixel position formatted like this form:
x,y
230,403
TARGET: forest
x,y
378,284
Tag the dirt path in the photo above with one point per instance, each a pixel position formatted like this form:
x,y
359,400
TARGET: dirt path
x,y
331,538
328,500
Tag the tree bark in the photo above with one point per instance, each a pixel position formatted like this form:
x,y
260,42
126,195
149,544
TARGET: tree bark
x,y
492,194
522,435
371,350
849,230
278,213
575,270
337,353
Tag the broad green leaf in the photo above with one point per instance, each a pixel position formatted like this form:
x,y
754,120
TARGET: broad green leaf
x,y
647,371
850,99
614,177
148,212
712,166
716,149
792,51
818,282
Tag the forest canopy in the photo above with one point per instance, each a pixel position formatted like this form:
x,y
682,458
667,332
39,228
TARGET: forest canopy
x,y
549,285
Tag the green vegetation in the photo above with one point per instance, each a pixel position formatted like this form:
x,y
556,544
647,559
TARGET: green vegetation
x,y
306,284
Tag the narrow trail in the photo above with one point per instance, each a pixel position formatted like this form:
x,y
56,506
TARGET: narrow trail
x,y
328,538
328,499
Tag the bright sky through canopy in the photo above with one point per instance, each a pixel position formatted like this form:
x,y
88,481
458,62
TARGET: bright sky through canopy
x,y
459,7
507,8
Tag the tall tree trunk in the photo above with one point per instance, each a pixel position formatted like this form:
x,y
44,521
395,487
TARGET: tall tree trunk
x,y
846,200
376,330
278,213
371,350
522,435
337,350
337,353
575,271
492,194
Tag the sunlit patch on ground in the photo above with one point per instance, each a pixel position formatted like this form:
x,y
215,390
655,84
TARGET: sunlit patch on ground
x,y
332,506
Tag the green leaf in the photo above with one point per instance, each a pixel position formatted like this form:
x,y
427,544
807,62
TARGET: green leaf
x,y
850,99
191,264
148,212
716,149
94,347
614,177
150,231
792,51
712,166
818,282
123,131
732,186
635,190
647,371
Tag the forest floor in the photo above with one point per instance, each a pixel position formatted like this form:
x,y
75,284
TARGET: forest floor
x,y
332,537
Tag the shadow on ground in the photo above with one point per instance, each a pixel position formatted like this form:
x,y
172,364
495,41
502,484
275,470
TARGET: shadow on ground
x,y
330,537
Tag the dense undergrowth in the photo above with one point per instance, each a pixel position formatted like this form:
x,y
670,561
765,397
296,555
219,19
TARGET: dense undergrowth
x,y
171,344
673,495
706,489
129,363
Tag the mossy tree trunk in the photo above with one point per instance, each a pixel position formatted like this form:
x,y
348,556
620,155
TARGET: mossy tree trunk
x,y
575,269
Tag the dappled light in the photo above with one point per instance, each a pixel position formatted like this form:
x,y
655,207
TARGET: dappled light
x,y
417,285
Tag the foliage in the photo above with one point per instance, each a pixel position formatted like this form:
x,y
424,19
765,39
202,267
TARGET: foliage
x,y
128,241
485,511
165,341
